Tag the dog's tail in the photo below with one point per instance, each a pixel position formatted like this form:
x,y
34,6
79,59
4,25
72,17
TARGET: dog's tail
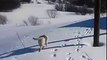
x,y
35,38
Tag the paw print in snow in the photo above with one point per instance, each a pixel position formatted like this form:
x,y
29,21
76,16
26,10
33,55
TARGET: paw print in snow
x,y
54,52
77,50
54,55
63,45
87,58
69,58
83,56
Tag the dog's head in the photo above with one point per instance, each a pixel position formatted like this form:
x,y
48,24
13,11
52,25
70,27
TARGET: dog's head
x,y
44,36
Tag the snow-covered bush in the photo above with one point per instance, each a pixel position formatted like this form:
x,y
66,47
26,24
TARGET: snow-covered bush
x,y
59,7
3,19
52,13
33,21
25,23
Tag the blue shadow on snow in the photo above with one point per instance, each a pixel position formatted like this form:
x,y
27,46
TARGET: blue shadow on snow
x,y
89,23
18,52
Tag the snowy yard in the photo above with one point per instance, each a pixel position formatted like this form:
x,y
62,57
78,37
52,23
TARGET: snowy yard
x,y
70,36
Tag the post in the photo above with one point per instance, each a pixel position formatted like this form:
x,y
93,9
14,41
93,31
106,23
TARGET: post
x,y
96,22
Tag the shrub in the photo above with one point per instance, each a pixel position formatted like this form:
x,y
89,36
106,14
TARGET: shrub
x,y
33,20
52,13
59,7
3,20
83,10
25,22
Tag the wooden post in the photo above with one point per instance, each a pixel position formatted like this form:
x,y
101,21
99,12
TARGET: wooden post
x,y
96,22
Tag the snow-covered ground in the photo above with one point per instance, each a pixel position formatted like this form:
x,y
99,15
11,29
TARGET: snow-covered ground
x,y
70,36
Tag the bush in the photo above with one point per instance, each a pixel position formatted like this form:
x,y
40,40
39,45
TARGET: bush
x,y
33,20
59,7
8,5
3,20
52,13
83,10
25,23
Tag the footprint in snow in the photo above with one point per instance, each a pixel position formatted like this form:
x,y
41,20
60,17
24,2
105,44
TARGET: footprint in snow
x,y
77,50
63,45
69,58
54,55
14,58
68,53
88,31
83,56
87,58
54,52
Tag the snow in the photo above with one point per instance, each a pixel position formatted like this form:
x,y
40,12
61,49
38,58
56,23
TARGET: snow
x,y
68,36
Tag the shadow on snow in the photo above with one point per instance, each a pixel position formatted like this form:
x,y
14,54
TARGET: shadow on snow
x,y
89,23
31,49
17,52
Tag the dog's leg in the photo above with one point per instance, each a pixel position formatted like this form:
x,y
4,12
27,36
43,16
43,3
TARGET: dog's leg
x,y
40,48
46,42
43,47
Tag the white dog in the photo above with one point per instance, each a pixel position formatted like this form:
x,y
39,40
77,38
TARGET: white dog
x,y
42,41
